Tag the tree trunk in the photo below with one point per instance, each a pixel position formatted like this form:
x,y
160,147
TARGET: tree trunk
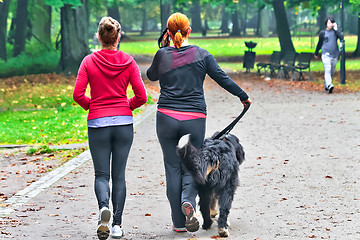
x,y
357,50
224,20
74,37
164,13
282,27
236,27
20,27
244,24
258,24
41,24
114,12
4,11
144,21
195,17
264,22
321,17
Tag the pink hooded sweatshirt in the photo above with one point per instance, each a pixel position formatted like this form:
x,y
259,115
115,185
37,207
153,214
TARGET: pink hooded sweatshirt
x,y
109,72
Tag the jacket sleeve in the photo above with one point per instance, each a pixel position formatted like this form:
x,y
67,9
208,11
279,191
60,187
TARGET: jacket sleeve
x,y
320,42
216,73
82,81
138,87
339,35
153,71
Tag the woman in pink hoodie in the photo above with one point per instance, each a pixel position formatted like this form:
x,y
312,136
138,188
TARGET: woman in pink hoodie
x,y
110,124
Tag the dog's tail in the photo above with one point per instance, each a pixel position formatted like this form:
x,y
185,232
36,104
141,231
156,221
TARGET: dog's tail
x,y
189,156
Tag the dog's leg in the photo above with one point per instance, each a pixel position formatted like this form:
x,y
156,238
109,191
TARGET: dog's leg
x,y
225,200
204,203
213,205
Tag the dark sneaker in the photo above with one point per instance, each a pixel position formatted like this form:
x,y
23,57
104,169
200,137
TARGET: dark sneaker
x,y
191,222
103,230
331,89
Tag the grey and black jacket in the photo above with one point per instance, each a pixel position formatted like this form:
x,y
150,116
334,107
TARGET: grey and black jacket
x,y
328,42
181,73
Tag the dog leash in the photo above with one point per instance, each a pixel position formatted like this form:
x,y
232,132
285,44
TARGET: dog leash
x,y
231,125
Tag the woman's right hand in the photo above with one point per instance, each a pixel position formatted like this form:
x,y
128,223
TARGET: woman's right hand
x,y
246,102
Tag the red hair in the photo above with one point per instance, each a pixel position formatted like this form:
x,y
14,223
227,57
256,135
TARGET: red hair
x,y
179,25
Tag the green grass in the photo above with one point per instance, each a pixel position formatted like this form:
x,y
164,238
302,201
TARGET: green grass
x,y
40,150
315,66
228,47
53,126
42,114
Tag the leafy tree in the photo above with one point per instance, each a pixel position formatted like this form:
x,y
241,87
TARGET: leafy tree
x,y
74,16
356,5
4,10
165,8
195,16
113,9
41,21
20,27
224,20
282,27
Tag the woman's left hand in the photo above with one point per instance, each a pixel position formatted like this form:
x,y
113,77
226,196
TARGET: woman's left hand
x,y
246,102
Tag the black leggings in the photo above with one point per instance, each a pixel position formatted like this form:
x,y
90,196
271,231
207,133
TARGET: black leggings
x,y
114,142
180,186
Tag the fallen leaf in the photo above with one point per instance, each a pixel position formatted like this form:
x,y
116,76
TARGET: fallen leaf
x,y
147,214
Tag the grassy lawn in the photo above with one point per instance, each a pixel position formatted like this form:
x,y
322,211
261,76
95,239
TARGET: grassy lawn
x,y
227,47
315,66
38,111
41,113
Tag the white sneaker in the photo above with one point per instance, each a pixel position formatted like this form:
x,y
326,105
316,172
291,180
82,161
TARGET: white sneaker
x,y
117,232
103,230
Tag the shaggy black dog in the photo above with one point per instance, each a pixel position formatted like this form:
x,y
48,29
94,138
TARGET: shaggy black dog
x,y
215,168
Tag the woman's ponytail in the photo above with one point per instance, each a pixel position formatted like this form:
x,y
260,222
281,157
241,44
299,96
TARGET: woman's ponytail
x,y
179,25
178,39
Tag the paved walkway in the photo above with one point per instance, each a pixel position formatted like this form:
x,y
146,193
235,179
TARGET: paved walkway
x,y
300,179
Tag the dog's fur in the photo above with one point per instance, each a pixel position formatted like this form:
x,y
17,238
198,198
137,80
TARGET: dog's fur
x,y
215,168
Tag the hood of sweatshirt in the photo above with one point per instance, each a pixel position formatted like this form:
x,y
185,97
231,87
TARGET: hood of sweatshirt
x,y
111,62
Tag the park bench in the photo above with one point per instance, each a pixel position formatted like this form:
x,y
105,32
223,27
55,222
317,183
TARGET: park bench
x,y
302,65
224,33
274,60
288,63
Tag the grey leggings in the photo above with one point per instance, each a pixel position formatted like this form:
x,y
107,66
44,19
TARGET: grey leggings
x,y
180,186
110,145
